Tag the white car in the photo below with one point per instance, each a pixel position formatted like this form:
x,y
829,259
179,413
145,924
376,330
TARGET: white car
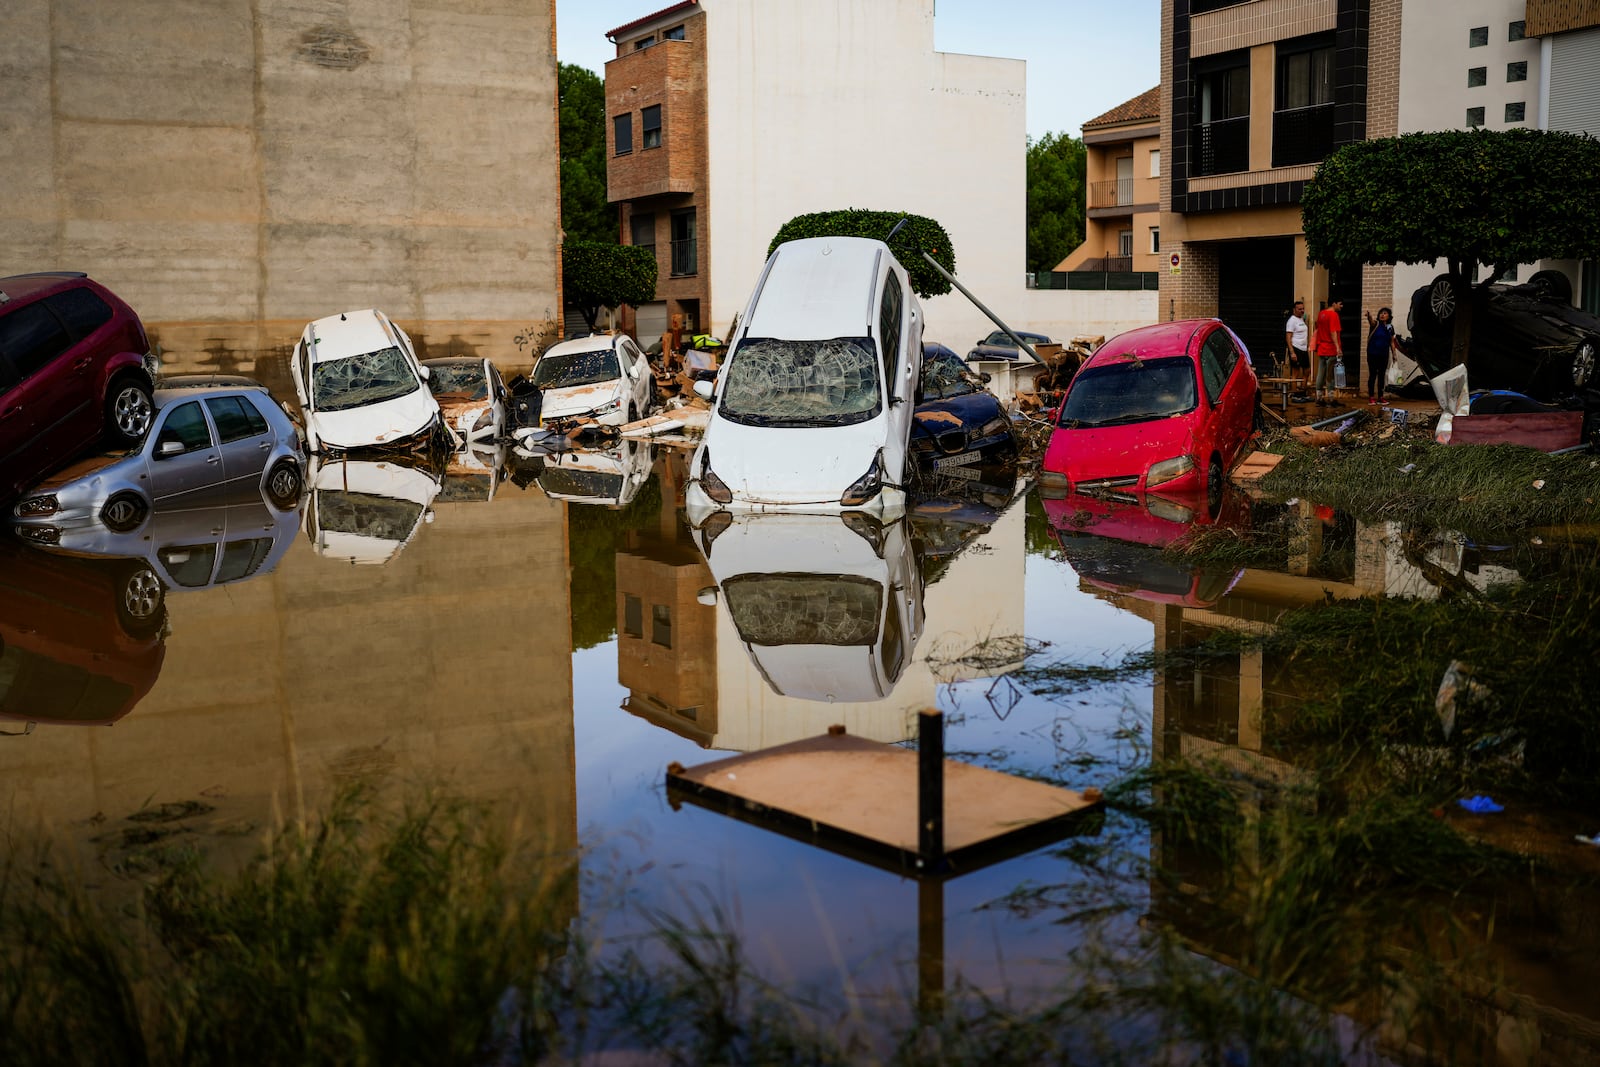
x,y
605,378
610,478
812,408
366,511
829,607
470,394
360,386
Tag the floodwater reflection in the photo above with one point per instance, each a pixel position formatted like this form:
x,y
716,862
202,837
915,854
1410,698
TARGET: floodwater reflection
x,y
364,510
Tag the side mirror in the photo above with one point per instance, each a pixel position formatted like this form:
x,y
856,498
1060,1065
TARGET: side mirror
x,y
425,372
704,389
707,596
169,448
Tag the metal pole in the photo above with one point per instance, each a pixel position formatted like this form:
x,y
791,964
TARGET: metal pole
x,y
951,278
930,788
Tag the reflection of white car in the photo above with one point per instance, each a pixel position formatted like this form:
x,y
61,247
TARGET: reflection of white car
x,y
470,395
605,378
366,511
474,473
611,478
829,607
360,385
813,405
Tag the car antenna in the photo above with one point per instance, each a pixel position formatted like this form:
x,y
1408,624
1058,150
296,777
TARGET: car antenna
x,y
341,317
951,278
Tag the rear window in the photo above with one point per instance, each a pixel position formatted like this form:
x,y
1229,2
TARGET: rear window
x,y
1130,390
82,310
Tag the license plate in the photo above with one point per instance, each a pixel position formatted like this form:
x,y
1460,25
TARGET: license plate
x,y
959,460
961,474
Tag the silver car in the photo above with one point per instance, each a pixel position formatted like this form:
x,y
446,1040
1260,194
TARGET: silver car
x,y
212,437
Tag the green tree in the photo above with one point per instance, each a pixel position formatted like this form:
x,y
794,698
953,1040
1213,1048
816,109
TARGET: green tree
x,y
1056,168
920,234
585,215
1493,198
596,275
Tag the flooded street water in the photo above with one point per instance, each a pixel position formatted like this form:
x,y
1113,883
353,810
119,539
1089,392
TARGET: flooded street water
x,y
549,637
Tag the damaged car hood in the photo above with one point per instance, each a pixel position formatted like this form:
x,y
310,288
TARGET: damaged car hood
x,y
377,425
575,400
780,467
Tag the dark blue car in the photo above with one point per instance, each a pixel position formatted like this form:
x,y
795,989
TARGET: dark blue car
x,y
957,423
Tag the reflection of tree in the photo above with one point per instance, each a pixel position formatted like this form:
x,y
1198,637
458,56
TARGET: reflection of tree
x,y
1040,540
592,536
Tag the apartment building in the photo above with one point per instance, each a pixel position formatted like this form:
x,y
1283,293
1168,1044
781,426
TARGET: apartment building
x,y
730,117
1123,187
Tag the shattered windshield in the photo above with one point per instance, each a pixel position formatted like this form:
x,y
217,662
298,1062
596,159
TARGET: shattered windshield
x,y
945,376
464,380
370,378
386,518
804,609
576,368
802,383
1130,390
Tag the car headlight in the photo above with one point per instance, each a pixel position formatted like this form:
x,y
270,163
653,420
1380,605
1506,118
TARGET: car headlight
x,y
998,424
1169,469
37,506
44,535
714,487
1162,508
1053,482
867,486
609,406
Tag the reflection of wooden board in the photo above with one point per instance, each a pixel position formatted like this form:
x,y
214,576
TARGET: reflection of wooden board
x,y
1544,430
859,797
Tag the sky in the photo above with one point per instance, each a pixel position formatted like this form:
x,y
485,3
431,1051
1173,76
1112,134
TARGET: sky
x,y
1084,56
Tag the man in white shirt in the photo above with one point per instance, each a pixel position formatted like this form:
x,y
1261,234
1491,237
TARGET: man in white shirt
x,y
1296,338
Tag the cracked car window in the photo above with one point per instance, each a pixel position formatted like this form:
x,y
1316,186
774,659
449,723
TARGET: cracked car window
x,y
944,376
370,378
368,515
576,368
802,383
804,609
465,381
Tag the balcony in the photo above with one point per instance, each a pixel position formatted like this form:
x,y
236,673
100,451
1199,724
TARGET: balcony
x,y
1222,147
684,258
1302,135
1117,193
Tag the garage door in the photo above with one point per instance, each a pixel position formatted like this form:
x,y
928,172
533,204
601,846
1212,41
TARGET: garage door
x,y
652,321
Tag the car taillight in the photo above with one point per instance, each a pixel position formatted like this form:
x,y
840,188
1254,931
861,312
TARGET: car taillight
x,y
867,486
714,487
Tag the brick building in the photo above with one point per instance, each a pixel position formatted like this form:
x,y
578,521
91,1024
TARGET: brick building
x,y
1122,179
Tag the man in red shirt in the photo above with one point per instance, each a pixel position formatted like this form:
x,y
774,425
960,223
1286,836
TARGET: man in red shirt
x,y
1325,346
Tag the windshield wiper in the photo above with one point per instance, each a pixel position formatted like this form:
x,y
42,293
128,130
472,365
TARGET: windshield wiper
x,y
1142,416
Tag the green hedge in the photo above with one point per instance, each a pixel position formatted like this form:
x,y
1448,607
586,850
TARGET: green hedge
x,y
920,234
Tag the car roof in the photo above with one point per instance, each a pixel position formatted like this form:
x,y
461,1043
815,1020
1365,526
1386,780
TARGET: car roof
x,y
819,287
454,361
1150,342
597,342
348,333
170,392
22,285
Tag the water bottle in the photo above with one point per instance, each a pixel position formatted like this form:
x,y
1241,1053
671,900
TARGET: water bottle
x,y
1338,374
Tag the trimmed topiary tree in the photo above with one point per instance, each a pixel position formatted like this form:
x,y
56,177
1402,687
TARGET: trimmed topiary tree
x,y
596,275
919,234
1493,198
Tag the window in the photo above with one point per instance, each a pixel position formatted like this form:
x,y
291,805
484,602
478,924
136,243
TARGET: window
x,y
632,616
1305,76
32,337
622,134
1477,76
1517,112
1155,163
1517,31
642,228
1518,71
1155,239
673,34
1474,116
644,42
661,625
1302,123
684,258
236,418
188,565
81,309
241,559
889,312
650,125
1222,114
187,426
1477,37
1217,358
1124,242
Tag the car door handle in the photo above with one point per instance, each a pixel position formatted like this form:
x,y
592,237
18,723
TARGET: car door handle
x,y
83,363
213,459
8,412
264,446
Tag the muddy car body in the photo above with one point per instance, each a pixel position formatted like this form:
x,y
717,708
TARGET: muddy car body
x,y
210,438
957,421
366,510
604,377
812,408
1164,408
359,385
471,396
829,607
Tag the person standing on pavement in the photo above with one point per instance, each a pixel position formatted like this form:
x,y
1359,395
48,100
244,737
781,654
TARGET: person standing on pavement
x,y
1380,339
1326,346
1296,342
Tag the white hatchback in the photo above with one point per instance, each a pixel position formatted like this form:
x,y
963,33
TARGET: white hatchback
x,y
360,386
603,377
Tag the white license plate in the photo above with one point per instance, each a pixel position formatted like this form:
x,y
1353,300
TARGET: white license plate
x,y
961,474
958,461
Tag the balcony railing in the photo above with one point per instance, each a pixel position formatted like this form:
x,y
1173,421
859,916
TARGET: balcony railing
x,y
684,261
1302,135
1116,193
1223,146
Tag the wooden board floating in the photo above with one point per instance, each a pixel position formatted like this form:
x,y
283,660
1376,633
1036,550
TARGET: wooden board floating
x,y
860,798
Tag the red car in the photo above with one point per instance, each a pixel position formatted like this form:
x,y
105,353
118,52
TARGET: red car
x,y
72,371
1165,407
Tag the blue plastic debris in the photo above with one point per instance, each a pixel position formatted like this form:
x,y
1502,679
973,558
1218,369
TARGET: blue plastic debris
x,y
1595,840
1480,805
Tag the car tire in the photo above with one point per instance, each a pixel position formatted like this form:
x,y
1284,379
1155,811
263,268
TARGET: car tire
x,y
283,483
124,512
129,412
1583,360
141,600
1552,285
1445,294
1214,476
633,412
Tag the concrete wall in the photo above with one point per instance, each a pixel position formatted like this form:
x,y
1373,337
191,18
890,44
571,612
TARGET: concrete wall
x,y
1068,313
228,161
844,103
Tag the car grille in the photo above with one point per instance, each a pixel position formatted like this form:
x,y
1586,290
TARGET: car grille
x,y
1116,482
951,441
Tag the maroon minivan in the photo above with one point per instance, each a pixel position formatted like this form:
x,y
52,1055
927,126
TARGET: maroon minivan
x,y
73,371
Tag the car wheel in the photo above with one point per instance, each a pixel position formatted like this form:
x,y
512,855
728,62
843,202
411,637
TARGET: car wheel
x,y
1552,285
283,483
1214,485
633,412
141,600
129,410
124,512
1583,364
1444,298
